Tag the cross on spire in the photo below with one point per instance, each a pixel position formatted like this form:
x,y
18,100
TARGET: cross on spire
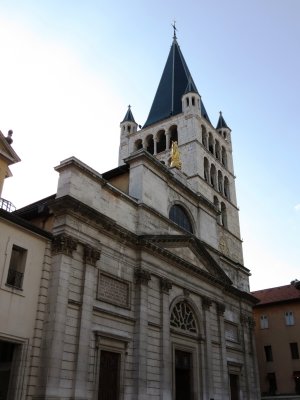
x,y
175,29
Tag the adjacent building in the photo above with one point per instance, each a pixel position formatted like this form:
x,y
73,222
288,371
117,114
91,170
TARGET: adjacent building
x,y
146,294
24,261
277,317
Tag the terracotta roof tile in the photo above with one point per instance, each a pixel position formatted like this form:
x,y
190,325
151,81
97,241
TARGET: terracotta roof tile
x,y
277,294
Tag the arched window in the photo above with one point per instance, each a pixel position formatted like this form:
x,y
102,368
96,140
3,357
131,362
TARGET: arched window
x,y
150,144
217,150
204,136
182,317
138,144
180,217
160,141
223,215
220,182
226,188
224,157
213,176
206,170
216,204
173,134
210,143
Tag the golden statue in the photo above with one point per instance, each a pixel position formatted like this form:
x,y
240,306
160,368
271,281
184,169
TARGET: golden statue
x,y
175,156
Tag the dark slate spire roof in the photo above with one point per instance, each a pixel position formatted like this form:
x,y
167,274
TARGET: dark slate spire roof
x,y
221,123
176,80
128,116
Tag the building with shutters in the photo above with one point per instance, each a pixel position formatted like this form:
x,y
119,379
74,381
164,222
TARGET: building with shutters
x,y
277,333
148,296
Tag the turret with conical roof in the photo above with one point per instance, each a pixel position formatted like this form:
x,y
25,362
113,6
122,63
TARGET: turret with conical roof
x,y
128,127
223,128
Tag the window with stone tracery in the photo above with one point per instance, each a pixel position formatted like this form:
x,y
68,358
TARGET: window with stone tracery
x,y
182,317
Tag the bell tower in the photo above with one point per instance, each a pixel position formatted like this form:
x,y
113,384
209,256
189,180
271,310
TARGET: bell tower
x,y
178,114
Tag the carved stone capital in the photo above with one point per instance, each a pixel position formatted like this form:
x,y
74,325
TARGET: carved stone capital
x,y
64,244
220,308
142,276
91,255
206,302
165,285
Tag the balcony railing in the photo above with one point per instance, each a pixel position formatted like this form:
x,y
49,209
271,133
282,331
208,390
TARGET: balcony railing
x,y
15,278
7,205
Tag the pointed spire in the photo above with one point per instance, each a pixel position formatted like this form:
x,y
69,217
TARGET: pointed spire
x,y
221,122
176,80
128,116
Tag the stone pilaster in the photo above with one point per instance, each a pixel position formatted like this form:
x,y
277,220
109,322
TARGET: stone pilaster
x,y
206,304
166,360
63,247
90,258
142,278
220,307
246,350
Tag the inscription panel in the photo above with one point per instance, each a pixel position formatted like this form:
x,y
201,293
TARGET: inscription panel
x,y
113,290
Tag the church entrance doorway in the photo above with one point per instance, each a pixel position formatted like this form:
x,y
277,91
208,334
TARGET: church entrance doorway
x,y
109,378
183,375
234,386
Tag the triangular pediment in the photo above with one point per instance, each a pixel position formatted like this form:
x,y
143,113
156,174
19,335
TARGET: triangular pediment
x,y
187,249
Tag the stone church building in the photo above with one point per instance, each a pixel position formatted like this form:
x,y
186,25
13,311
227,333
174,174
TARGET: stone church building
x,y
147,296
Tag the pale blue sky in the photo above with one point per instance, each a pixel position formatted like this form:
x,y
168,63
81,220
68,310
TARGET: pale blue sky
x,y
70,68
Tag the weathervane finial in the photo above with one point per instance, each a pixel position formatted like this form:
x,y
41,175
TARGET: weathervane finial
x,y
175,29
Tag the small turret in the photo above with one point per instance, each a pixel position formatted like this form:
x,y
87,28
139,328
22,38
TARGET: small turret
x,y
223,128
128,125
191,101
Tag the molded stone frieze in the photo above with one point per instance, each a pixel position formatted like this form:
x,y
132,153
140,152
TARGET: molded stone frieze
x,y
220,308
165,285
142,276
91,255
206,302
64,244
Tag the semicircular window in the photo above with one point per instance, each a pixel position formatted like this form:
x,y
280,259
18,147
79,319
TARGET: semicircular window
x,y
182,317
180,217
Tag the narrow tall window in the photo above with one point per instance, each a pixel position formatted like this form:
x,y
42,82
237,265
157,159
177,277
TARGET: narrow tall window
x,y
161,141
264,322
294,351
223,215
268,353
289,318
16,267
271,377
150,144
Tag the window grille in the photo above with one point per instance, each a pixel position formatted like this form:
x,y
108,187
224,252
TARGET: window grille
x,y
182,317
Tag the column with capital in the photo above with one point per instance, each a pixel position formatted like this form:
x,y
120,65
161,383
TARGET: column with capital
x,y
166,354
220,307
206,304
63,247
90,257
142,278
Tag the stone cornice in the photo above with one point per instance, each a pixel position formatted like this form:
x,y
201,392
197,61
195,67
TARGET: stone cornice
x,y
70,205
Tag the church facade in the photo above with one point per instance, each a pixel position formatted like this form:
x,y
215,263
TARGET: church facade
x,y
147,295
